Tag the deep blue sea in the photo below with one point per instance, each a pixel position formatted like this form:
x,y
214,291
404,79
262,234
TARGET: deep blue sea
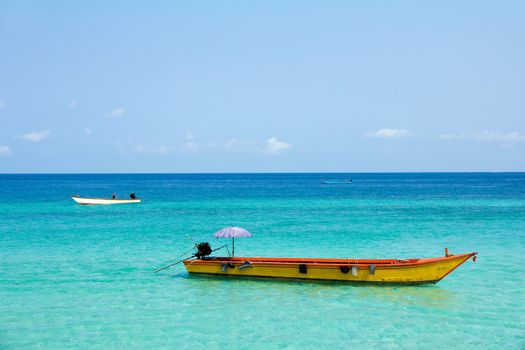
x,y
81,277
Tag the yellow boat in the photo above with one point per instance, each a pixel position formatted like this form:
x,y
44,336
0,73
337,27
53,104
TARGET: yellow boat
x,y
375,271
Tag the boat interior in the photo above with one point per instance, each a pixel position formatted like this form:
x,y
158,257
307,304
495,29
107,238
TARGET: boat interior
x,y
317,261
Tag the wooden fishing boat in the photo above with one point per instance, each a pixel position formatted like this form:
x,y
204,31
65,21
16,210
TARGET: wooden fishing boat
x,y
103,201
375,271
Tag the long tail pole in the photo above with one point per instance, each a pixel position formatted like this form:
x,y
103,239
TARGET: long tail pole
x,y
170,265
178,262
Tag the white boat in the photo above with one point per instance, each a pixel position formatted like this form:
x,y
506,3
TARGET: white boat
x,y
104,201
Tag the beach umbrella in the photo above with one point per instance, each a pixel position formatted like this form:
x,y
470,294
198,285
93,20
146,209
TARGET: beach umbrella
x,y
232,232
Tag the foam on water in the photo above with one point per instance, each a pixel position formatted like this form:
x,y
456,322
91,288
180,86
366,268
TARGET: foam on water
x,y
81,276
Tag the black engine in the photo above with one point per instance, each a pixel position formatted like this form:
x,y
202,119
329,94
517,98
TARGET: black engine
x,y
203,249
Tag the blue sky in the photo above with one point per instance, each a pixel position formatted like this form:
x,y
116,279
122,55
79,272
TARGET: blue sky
x,y
262,86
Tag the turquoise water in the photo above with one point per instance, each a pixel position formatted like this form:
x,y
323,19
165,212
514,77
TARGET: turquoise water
x,y
81,276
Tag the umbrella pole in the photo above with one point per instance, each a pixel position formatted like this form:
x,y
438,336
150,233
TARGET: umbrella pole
x,y
233,247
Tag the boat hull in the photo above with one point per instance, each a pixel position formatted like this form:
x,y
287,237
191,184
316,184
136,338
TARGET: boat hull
x,y
103,201
411,271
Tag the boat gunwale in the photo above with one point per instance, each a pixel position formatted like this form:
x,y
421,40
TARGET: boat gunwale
x,y
329,263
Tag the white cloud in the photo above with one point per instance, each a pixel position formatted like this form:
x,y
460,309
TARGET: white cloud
x,y
72,104
37,136
5,150
88,131
487,136
274,146
3,104
387,133
117,112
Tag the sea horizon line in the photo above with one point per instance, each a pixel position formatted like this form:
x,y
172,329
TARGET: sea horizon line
x,y
263,173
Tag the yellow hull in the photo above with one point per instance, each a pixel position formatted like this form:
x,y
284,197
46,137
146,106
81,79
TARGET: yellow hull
x,y
411,271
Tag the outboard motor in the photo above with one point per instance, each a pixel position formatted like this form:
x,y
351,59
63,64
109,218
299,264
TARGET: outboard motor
x,y
203,250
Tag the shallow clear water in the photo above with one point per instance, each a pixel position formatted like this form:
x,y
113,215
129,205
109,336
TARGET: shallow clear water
x,y
76,276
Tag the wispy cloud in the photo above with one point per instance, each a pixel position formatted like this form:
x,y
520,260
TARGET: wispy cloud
x,y
133,147
37,136
3,104
190,144
388,133
88,131
160,149
121,145
5,150
487,136
72,104
117,112
240,145
270,146
274,146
